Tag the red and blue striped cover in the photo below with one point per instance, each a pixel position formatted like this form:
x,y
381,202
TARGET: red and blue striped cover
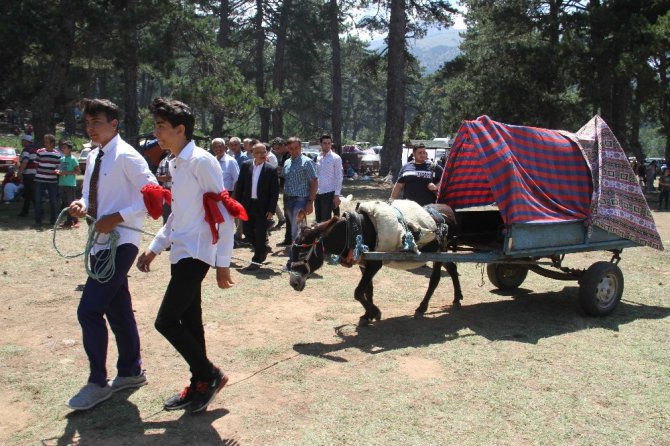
x,y
532,174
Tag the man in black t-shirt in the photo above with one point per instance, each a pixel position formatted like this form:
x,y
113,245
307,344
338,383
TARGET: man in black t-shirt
x,y
418,179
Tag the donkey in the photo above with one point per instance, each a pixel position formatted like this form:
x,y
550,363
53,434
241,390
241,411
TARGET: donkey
x,y
338,236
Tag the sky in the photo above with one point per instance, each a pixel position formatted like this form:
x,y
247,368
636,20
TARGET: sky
x,y
365,35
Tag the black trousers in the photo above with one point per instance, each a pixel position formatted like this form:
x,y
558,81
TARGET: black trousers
x,y
323,206
180,316
256,232
28,192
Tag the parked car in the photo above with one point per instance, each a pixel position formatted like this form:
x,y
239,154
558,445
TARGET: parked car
x,y
370,160
377,149
8,157
311,152
83,156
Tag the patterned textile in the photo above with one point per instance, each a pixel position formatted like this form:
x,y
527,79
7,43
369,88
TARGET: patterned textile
x,y
539,175
534,175
618,204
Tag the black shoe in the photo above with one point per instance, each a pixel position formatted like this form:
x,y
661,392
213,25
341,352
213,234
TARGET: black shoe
x,y
280,223
22,214
180,400
284,243
205,391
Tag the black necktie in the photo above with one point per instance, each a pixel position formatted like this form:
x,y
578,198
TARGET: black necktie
x,y
93,186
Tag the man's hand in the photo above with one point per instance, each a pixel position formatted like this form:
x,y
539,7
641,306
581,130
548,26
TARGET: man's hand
x,y
336,201
269,215
309,208
432,187
223,277
77,209
144,261
107,223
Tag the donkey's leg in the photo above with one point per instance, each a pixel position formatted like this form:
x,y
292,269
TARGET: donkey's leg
x,y
453,273
363,292
434,281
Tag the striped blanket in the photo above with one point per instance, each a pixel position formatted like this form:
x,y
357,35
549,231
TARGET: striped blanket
x,y
539,175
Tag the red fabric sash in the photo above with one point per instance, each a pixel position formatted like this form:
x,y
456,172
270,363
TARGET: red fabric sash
x,y
213,215
154,196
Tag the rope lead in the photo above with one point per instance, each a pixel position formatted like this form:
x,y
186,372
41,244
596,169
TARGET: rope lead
x,y
105,263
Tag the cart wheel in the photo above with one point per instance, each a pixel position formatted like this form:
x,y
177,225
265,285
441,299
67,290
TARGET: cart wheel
x,y
600,288
505,276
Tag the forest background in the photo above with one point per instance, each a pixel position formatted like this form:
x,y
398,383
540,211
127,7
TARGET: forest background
x,y
268,68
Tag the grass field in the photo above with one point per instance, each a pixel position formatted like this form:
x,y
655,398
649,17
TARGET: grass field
x,y
505,369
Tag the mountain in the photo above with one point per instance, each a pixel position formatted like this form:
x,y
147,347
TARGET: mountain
x,y
433,50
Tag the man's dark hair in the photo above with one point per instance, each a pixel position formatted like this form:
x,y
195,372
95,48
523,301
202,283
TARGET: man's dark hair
x,y
325,136
174,112
278,140
93,107
418,146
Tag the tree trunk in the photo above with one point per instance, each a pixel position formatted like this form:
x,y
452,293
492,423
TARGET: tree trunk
x,y
223,40
223,36
336,114
395,91
55,74
263,110
278,76
131,118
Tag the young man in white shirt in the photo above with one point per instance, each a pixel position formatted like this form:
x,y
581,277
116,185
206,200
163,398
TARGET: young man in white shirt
x,y
111,194
329,172
196,245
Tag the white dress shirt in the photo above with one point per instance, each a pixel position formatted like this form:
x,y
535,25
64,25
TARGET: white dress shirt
x,y
123,174
231,171
195,172
329,172
255,175
272,159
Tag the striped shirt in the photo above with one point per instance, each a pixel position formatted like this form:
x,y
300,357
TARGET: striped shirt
x,y
47,163
30,154
298,174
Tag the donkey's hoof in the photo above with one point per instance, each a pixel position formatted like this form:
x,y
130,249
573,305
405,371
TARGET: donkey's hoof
x,y
456,304
377,316
363,321
418,314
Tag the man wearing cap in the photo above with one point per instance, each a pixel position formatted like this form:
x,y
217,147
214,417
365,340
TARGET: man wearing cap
x,y
27,171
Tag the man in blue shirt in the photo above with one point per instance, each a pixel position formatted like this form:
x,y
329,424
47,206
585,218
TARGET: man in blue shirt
x,y
300,184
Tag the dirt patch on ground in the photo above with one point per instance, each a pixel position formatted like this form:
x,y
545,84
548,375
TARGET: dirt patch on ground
x,y
302,372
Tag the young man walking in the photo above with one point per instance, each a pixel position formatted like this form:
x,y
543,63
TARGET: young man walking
x,y
196,245
112,195
329,172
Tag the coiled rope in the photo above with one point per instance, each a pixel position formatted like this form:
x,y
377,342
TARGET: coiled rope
x,y
105,265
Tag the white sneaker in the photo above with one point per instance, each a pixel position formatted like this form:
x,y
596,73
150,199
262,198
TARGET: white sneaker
x,y
89,396
128,382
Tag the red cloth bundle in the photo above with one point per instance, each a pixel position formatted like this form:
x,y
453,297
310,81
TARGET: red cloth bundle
x,y
154,196
213,215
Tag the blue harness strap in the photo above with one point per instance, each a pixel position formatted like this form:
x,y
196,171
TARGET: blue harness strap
x,y
408,243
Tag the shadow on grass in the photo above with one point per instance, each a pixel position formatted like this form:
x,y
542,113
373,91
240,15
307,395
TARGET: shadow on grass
x,y
527,318
118,421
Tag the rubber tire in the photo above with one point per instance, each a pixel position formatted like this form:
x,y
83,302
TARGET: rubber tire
x,y
601,288
506,276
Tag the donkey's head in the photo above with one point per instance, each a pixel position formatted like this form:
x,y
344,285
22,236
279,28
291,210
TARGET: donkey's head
x,y
308,250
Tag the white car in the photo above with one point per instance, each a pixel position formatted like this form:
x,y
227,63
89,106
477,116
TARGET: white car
x,y
83,156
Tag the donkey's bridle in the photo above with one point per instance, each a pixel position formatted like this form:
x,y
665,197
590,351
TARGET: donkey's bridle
x,y
305,260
